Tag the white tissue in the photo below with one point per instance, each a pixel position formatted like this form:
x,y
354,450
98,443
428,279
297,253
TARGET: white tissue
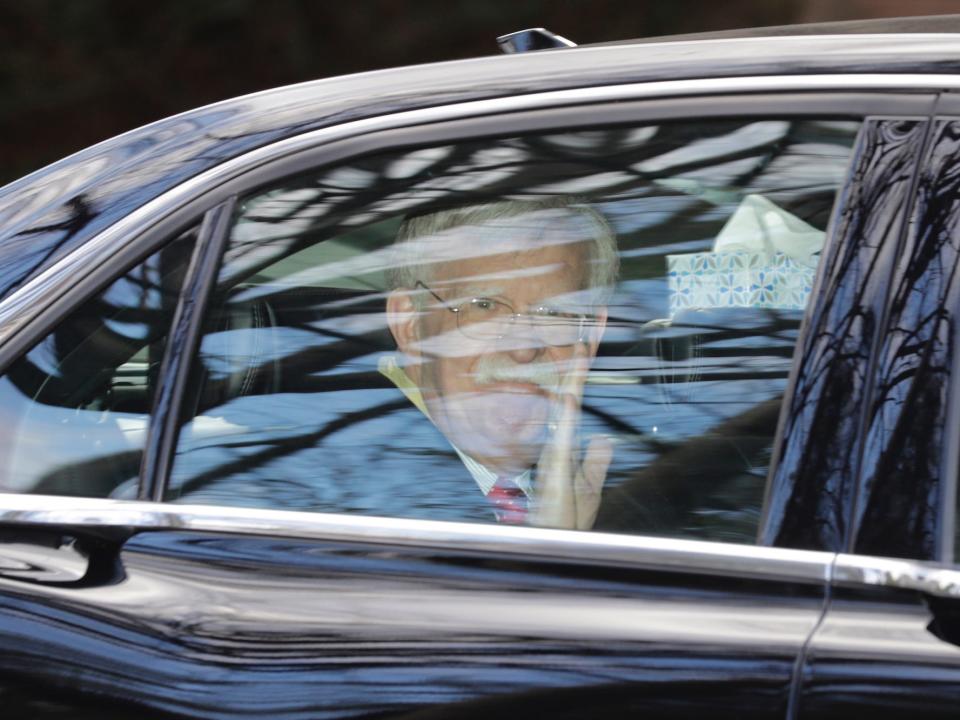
x,y
759,226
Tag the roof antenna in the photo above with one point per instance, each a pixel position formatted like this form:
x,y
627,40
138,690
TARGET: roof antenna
x,y
532,39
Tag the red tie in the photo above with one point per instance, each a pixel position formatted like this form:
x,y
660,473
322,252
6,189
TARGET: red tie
x,y
509,502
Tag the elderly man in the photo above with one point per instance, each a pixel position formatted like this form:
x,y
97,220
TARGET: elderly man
x,y
497,311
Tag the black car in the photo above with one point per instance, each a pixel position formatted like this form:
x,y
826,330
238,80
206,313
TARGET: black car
x,y
242,477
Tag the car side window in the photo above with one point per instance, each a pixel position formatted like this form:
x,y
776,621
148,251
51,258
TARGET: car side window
x,y
75,408
587,329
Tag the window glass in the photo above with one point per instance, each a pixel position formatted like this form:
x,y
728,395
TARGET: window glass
x,y
74,409
586,329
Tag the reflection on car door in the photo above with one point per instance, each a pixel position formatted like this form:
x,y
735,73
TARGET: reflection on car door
x,y
889,644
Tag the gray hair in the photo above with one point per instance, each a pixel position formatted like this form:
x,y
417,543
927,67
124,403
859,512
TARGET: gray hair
x,y
412,260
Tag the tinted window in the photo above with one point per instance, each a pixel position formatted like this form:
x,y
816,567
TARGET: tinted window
x,y
495,330
75,408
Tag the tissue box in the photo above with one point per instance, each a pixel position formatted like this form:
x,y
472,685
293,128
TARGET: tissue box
x,y
699,281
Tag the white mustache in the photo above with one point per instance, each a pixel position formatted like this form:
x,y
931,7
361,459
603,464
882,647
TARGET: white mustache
x,y
492,369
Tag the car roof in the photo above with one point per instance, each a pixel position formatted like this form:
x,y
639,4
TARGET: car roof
x,y
53,211
928,24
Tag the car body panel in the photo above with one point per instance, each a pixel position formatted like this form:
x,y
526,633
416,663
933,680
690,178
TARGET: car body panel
x,y
889,644
314,616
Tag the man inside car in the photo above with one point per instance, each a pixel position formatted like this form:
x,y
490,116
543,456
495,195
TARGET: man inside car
x,y
497,311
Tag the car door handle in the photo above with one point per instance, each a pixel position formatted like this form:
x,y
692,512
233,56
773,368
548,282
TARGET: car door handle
x,y
63,559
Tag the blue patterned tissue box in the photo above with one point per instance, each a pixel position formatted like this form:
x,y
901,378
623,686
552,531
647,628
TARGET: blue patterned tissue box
x,y
700,281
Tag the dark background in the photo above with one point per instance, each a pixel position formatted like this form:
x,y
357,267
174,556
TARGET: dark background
x,y
73,72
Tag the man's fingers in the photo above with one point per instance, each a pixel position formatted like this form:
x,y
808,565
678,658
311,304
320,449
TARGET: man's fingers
x,y
590,480
558,471
566,416
554,503
595,464
575,379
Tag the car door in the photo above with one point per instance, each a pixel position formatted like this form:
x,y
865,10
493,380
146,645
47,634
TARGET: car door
x,y
243,516
888,643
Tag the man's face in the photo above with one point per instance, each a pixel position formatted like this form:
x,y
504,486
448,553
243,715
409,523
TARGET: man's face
x,y
493,394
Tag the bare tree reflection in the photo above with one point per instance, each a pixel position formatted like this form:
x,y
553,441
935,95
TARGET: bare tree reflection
x,y
672,185
819,451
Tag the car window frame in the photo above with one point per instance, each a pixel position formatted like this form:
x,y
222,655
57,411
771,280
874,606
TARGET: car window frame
x,y
258,168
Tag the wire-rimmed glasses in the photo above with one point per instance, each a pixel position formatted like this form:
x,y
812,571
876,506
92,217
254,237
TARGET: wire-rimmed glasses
x,y
484,318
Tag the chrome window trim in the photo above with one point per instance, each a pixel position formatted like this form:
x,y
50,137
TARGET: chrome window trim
x,y
696,556
929,578
22,306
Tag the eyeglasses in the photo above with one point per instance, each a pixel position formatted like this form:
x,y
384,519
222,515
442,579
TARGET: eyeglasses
x,y
483,318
